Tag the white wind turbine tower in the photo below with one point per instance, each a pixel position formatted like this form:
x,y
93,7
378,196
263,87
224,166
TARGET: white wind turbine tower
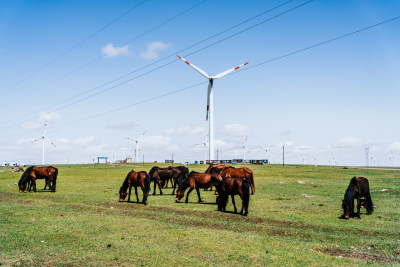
x,y
210,101
244,148
137,145
43,138
204,144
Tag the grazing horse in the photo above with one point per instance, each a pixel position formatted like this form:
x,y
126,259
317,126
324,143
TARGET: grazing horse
x,y
161,175
196,180
358,188
244,173
233,186
183,173
135,179
49,173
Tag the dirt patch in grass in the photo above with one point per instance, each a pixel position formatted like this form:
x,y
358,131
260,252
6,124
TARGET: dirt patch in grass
x,y
359,255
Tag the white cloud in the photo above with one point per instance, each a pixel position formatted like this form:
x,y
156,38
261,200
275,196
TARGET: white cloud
x,y
83,141
153,49
351,141
235,129
155,141
112,51
42,117
186,131
395,146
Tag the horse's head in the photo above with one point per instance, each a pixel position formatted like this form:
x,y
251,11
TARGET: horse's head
x,y
122,194
347,209
22,187
179,194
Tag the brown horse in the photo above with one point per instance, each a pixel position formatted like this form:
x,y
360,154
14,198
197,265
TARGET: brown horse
x,y
49,173
216,168
135,179
233,186
358,188
161,175
244,173
196,180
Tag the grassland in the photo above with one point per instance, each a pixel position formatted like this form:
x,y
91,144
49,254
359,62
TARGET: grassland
x,y
289,223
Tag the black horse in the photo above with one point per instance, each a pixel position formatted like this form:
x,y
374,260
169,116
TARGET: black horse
x,y
358,188
233,186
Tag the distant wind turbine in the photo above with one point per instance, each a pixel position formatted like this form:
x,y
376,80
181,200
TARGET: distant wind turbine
x,y
210,101
244,148
137,145
43,138
204,144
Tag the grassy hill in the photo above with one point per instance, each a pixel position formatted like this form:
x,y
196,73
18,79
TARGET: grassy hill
x,y
293,220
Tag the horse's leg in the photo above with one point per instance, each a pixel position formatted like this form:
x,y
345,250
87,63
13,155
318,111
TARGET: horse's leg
x,y
358,207
233,202
34,185
154,191
159,187
129,194
173,191
137,197
198,194
45,184
53,185
187,195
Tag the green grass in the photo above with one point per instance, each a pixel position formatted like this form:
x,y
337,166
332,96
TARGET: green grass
x,y
83,224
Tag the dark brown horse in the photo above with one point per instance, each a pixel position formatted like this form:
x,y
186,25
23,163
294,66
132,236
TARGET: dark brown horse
x,y
29,177
196,180
161,175
183,173
233,186
136,179
358,188
244,173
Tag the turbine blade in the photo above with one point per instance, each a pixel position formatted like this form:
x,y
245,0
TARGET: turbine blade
x,y
208,99
222,74
48,139
37,139
202,72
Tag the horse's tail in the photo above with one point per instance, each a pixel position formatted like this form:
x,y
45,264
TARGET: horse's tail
x,y
147,184
253,187
369,204
53,187
25,176
246,196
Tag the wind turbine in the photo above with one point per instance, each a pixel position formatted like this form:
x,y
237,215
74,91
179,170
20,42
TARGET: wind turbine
x,y
204,144
137,145
244,148
44,137
210,101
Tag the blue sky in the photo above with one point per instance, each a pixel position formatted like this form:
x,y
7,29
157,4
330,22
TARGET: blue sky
x,y
95,71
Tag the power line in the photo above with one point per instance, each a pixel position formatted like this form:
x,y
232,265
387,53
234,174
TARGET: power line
x,y
173,54
76,45
128,42
256,65
164,65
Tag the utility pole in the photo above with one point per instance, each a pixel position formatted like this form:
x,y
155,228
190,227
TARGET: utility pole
x,y
143,159
172,159
366,156
283,155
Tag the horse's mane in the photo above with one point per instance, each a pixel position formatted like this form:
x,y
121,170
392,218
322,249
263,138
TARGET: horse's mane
x,y
124,186
153,170
25,176
348,196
